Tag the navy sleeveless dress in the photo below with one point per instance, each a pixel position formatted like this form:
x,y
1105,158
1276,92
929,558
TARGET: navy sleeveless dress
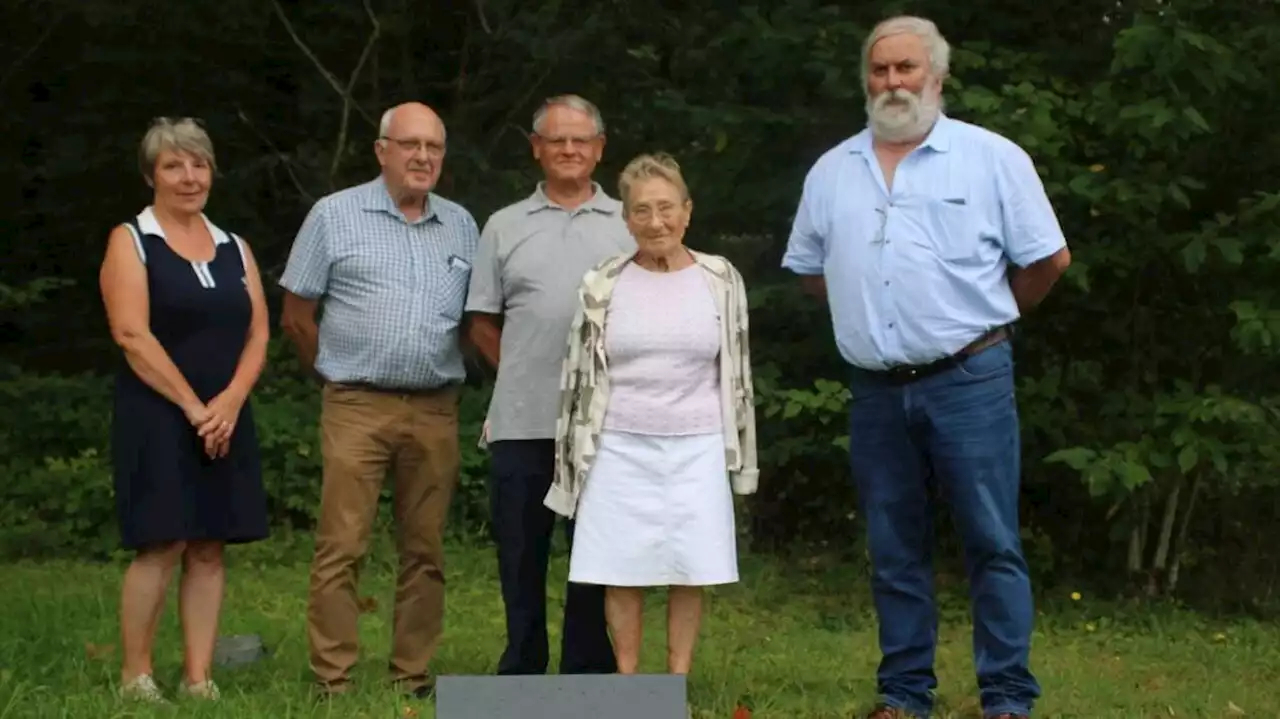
x,y
167,488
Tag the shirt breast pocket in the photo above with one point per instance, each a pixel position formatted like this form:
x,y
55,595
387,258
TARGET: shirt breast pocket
x,y
952,227
451,289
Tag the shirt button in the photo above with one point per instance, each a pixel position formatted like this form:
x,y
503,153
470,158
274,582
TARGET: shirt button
x,y
890,325
886,283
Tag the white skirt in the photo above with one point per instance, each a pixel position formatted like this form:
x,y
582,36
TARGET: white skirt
x,y
656,511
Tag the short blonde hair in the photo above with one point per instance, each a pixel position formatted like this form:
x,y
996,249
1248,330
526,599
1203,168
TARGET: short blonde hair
x,y
647,167
175,134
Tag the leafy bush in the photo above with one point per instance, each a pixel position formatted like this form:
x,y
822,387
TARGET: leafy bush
x,y
55,445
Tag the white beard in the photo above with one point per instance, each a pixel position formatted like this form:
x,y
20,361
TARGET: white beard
x,y
910,118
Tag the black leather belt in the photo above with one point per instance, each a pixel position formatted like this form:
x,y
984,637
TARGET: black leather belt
x,y
380,389
906,374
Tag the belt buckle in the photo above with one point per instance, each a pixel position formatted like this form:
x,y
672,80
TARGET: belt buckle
x,y
902,374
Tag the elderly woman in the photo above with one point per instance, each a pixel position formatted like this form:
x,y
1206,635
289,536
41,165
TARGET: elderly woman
x,y
657,424
185,304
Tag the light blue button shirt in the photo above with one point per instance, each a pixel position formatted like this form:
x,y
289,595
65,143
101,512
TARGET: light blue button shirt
x,y
392,290
917,272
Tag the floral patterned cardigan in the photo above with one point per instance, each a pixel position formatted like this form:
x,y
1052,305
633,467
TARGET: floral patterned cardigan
x,y
584,380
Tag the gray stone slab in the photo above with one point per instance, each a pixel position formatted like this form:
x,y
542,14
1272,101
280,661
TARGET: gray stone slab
x,y
569,696
238,650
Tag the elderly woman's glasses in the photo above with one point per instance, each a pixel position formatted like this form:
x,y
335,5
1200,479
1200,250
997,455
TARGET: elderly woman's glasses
x,y
645,213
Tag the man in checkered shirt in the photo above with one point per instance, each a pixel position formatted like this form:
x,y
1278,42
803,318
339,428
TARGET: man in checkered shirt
x,y
387,263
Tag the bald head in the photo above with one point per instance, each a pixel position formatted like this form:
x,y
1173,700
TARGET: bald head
x,y
407,112
410,149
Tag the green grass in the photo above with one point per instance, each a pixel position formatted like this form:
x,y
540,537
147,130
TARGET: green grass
x,y
789,643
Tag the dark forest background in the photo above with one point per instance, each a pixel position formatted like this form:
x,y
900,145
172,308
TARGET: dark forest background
x,y
1148,381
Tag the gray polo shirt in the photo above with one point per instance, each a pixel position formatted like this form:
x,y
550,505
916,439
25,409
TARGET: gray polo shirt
x,y
528,267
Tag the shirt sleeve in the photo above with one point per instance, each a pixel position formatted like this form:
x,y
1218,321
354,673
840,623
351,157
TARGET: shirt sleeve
x,y
485,292
807,246
307,272
1031,228
562,497
748,476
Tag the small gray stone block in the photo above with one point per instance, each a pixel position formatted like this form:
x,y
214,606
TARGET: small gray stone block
x,y
564,696
239,650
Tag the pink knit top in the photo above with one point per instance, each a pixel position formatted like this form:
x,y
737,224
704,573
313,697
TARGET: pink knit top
x,y
662,339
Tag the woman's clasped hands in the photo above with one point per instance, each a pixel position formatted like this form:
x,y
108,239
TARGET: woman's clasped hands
x,y
215,422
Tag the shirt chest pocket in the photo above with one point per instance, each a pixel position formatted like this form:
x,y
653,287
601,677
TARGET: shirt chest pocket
x,y
449,287
949,226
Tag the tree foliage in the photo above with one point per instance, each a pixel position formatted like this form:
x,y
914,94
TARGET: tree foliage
x,y
1147,387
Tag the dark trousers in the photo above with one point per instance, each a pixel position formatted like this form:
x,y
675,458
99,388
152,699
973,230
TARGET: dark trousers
x,y
959,429
520,475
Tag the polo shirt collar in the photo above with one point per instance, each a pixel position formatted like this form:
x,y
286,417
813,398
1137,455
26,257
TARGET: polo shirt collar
x,y
149,225
599,202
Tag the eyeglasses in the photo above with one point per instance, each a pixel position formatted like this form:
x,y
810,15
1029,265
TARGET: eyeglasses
x,y
645,213
434,149
559,141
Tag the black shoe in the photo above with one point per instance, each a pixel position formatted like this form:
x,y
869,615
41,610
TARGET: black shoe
x,y
425,691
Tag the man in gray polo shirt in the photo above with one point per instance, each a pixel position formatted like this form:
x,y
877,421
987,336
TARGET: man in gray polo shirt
x,y
388,263
523,294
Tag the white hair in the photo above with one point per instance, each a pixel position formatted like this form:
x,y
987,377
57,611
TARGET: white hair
x,y
934,43
573,102
384,125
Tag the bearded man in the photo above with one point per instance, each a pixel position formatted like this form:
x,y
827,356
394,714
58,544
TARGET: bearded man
x,y
929,237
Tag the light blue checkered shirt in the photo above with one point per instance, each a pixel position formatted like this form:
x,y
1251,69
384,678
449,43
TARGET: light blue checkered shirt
x,y
392,291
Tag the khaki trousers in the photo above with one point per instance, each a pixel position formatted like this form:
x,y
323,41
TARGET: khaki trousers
x,y
365,434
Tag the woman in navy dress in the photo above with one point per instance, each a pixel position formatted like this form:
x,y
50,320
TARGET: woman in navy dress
x,y
185,304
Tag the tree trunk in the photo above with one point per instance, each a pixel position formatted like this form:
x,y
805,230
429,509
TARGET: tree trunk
x,y
1181,547
1160,562
1138,536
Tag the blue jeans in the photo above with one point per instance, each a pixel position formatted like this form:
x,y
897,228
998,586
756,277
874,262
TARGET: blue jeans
x,y
959,430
